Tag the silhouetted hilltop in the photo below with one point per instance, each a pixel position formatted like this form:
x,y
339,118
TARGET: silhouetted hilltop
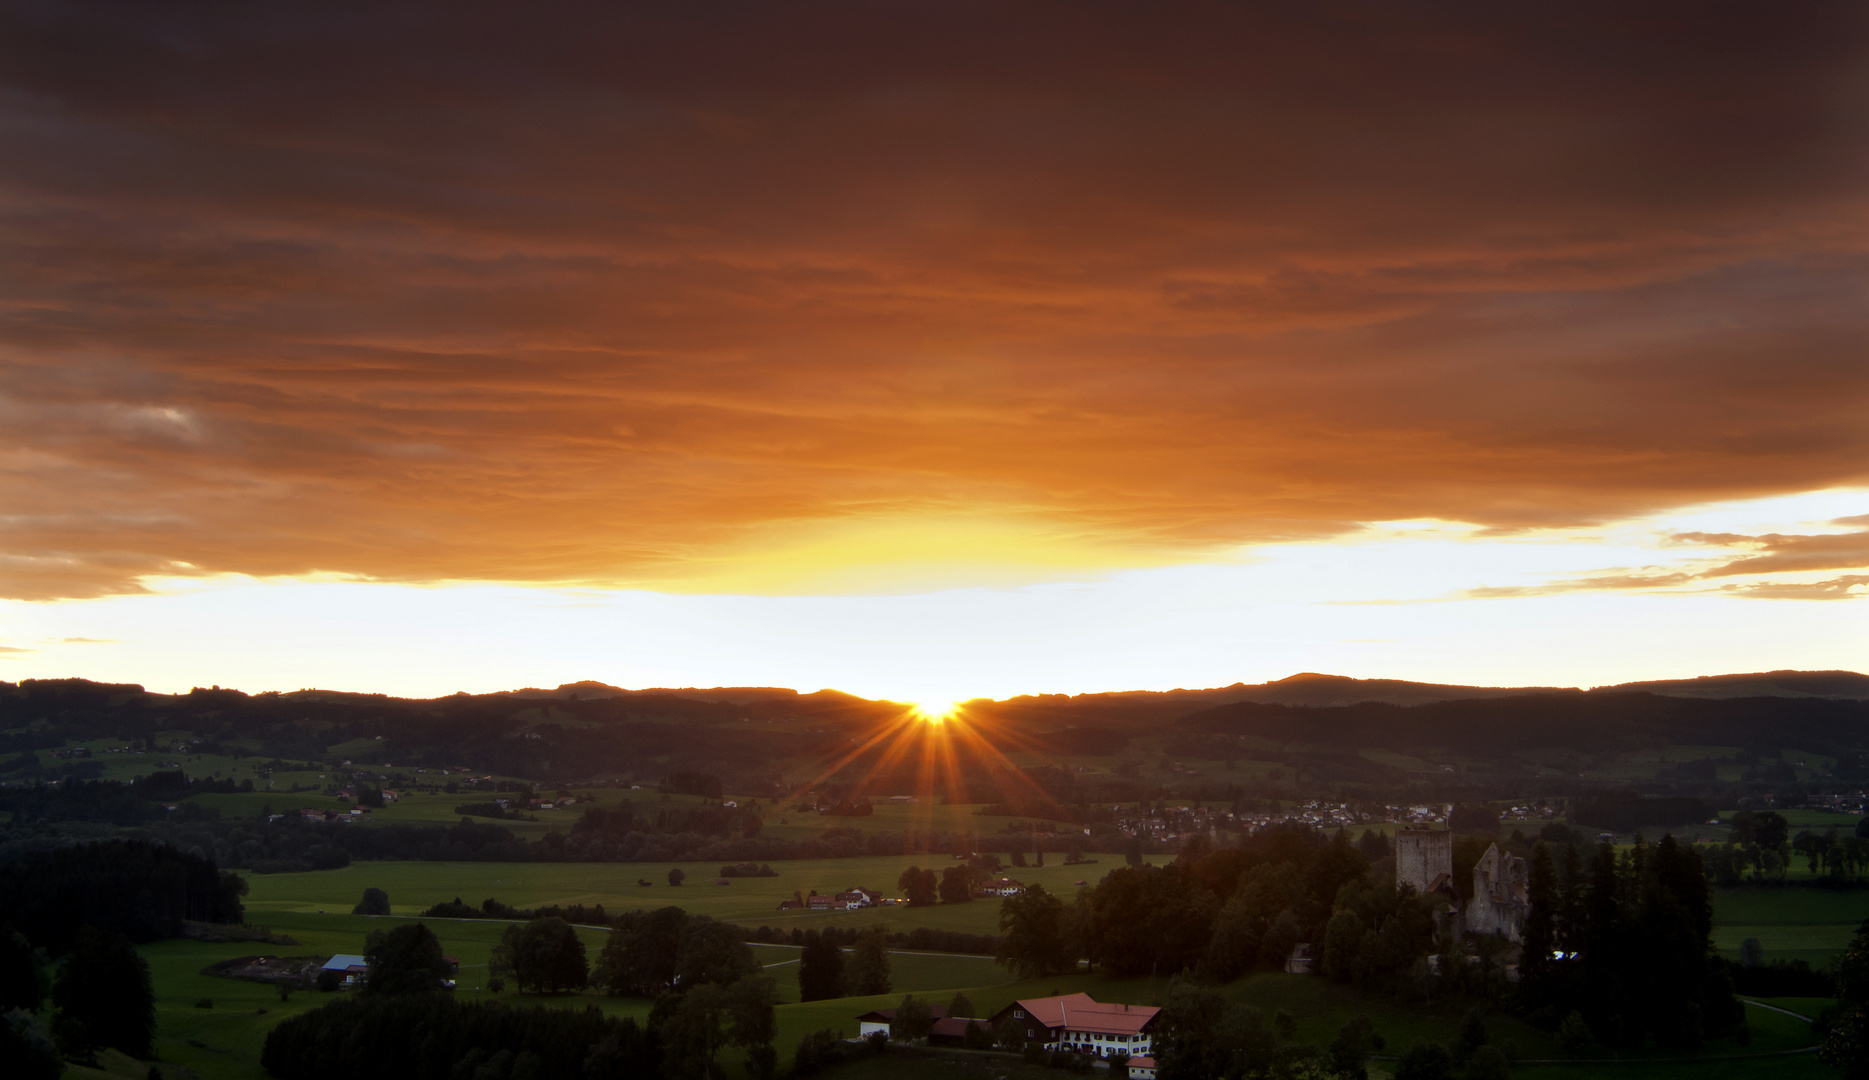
x,y
1841,685
588,690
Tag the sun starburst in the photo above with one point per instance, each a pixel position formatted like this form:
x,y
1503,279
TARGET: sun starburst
x,y
935,711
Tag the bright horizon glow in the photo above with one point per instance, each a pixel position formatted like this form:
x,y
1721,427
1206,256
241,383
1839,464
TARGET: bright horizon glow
x,y
1426,601
936,711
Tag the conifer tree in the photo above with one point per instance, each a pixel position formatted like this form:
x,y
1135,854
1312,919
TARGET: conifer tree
x,y
820,968
1541,923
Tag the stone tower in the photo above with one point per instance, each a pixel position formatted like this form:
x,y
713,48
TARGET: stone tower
x,y
1424,858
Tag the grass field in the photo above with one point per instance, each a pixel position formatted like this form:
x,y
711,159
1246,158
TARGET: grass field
x,y
1791,924
413,886
224,1041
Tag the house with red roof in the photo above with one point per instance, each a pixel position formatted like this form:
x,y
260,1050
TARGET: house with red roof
x,y
1080,1022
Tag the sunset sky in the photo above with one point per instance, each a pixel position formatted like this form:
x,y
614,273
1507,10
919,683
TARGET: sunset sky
x,y
931,349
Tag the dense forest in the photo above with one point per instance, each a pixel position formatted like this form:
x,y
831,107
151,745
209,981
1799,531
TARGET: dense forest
x,y
142,890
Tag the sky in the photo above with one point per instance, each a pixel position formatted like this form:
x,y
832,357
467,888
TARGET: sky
x,y
931,350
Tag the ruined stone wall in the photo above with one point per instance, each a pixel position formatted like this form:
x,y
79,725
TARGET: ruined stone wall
x,y
1421,856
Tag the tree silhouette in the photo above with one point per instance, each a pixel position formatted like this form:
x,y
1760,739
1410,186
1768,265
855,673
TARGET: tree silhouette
x,y
868,971
404,960
820,969
104,986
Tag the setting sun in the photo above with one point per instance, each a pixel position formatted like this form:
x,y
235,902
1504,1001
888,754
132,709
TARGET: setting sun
x,y
934,712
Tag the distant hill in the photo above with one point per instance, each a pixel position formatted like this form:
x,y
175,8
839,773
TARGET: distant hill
x,y
1306,688
1836,685
590,690
1310,688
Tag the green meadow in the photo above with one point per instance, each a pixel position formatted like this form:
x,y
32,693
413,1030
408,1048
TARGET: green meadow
x,y
224,1040
414,886
1790,923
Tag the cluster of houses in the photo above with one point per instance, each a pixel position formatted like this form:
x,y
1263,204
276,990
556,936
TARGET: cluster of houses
x,y
1173,823
1076,1022
856,898
351,793
309,815
530,804
1856,804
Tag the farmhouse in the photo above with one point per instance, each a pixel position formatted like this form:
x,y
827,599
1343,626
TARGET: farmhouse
x,y
352,967
1080,1022
1142,1068
1002,887
879,1020
858,897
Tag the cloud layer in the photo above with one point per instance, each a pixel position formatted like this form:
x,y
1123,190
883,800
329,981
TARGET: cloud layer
x,y
756,298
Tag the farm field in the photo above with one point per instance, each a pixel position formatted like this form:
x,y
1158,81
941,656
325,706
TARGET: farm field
x,y
224,1040
1791,924
414,886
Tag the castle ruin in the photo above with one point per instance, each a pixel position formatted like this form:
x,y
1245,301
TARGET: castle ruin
x,y
1501,896
1424,858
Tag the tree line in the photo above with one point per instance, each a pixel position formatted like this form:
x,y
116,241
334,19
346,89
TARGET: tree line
x,y
920,938
1626,946
708,996
1619,949
143,890
101,997
823,972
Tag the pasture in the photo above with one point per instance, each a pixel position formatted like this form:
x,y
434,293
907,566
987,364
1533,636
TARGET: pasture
x,y
224,1040
313,907
1790,923
414,886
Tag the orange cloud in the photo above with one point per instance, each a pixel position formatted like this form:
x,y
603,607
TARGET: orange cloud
x,y
848,294
1781,553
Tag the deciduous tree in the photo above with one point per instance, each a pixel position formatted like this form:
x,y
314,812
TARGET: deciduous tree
x,y
957,884
404,960
918,886
868,971
1034,942
375,902
104,986
913,1020
544,955
23,977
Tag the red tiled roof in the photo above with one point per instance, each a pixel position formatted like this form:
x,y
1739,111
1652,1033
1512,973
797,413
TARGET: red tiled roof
x,y
1081,1012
